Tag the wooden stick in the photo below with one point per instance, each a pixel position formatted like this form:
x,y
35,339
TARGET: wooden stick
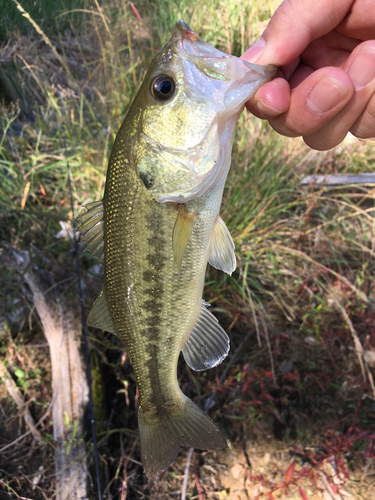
x,y
62,329
338,179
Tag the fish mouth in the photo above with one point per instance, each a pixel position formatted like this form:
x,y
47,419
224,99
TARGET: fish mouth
x,y
218,66
183,30
189,44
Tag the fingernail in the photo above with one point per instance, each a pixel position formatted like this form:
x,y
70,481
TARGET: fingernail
x,y
326,94
267,109
362,69
253,53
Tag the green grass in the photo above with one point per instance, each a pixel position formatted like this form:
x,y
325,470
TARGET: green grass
x,y
52,16
305,276
229,25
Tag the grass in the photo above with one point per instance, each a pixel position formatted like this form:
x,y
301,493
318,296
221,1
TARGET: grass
x,y
51,16
299,306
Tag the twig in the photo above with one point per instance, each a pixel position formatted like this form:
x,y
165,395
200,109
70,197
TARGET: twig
x,y
198,487
269,348
184,486
16,394
253,311
357,343
28,432
335,496
134,9
338,179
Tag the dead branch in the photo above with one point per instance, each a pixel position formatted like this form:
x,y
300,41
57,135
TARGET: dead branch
x,y
69,383
15,393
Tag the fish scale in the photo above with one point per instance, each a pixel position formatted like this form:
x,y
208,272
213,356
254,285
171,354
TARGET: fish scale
x,y
158,226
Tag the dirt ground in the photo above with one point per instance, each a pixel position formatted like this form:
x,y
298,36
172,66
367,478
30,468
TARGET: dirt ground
x,y
266,469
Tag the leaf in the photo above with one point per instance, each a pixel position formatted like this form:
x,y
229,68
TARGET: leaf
x,y
25,193
245,386
75,428
223,495
19,373
303,494
66,419
290,472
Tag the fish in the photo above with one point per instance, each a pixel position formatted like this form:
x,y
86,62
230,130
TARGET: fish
x,y
158,225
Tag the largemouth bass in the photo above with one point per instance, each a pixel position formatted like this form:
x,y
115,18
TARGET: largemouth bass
x,y
157,227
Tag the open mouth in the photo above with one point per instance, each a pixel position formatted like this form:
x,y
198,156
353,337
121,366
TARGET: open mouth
x,y
188,40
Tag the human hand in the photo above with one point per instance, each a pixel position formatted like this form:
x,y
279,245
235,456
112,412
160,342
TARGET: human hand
x,y
326,53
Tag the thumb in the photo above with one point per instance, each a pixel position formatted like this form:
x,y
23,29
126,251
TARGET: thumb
x,y
294,25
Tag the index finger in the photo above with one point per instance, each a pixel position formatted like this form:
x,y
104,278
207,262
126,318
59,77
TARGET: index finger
x,y
295,24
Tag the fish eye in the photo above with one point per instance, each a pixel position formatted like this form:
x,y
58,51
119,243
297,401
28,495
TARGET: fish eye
x,y
163,87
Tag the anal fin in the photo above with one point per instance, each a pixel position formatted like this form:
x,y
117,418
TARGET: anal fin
x,y
208,343
99,316
221,248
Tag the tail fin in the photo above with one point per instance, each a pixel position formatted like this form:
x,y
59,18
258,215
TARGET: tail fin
x,y
161,439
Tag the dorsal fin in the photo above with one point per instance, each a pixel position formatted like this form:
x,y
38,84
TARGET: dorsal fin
x,y
100,316
208,343
91,225
181,234
221,248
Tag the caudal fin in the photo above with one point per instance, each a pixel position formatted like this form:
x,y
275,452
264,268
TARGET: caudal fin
x,y
162,437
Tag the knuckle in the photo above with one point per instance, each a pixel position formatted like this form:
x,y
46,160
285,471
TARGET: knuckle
x,y
281,127
321,141
364,126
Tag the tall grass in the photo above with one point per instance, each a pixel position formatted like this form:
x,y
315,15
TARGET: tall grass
x,y
229,25
50,15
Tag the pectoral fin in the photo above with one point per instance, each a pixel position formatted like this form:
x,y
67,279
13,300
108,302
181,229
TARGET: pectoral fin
x,y
221,248
91,225
99,316
181,234
208,343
